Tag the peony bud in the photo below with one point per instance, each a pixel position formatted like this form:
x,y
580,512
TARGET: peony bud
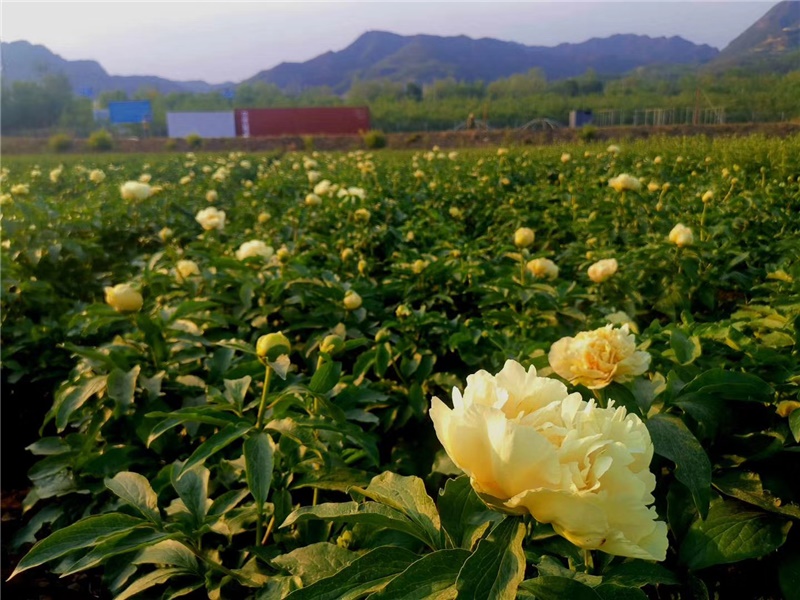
x,y
272,345
523,237
332,344
352,301
123,298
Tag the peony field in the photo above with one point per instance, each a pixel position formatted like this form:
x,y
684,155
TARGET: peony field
x,y
561,372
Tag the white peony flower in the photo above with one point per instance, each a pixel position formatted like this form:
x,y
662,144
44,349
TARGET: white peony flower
x,y
254,248
530,447
681,236
211,218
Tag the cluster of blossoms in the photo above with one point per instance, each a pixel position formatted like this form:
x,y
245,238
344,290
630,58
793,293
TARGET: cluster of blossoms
x,y
529,446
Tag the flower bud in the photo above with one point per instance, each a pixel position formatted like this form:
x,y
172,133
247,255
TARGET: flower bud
x,y
383,335
523,237
123,298
352,301
332,344
272,345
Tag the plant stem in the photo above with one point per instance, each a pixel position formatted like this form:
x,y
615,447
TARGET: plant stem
x,y
263,404
270,527
588,561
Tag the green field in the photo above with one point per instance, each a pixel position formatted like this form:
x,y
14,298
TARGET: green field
x,y
179,456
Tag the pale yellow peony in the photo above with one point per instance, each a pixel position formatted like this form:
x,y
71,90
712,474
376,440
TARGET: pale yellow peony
x,y
254,248
123,298
211,218
596,358
543,268
96,176
352,301
523,237
135,190
681,236
530,447
625,182
185,269
603,269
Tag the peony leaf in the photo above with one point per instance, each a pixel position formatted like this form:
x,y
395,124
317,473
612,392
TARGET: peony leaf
x,y
135,489
149,580
686,349
464,516
258,460
407,495
673,440
732,532
551,587
789,576
314,562
326,377
432,577
225,436
236,390
728,385
373,513
368,573
497,566
86,532
122,386
192,487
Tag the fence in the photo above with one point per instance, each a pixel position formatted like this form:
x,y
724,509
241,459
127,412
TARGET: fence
x,y
660,116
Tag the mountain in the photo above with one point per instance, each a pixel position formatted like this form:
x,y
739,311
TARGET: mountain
x,y
22,61
777,32
424,58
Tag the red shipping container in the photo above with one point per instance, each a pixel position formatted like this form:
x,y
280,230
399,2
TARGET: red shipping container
x,y
338,120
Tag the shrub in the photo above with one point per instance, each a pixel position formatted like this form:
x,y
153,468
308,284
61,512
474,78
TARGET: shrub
x,y
588,133
100,141
194,141
413,138
171,144
374,139
60,142
308,143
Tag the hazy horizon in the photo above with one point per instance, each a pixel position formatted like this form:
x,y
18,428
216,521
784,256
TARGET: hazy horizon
x,y
228,42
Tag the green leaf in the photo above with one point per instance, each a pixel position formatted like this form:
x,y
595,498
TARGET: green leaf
x,y
673,440
135,489
209,415
732,532
432,577
747,487
382,358
464,516
168,552
121,544
549,566
152,579
638,573
794,424
153,336
368,573
71,398
236,390
224,437
407,495
616,592
192,487
326,377
122,387
550,587
258,460
86,532
789,576
686,349
316,561
372,513
497,566
728,385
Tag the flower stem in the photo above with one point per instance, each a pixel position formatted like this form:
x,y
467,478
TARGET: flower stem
x,y
588,561
263,404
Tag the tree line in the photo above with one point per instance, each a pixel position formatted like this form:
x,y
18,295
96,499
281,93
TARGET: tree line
x,y
746,93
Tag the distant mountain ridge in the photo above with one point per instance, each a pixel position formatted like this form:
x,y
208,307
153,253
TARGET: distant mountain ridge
x,y
424,58
23,61
771,43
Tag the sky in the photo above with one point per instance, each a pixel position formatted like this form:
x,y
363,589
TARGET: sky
x,y
232,41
